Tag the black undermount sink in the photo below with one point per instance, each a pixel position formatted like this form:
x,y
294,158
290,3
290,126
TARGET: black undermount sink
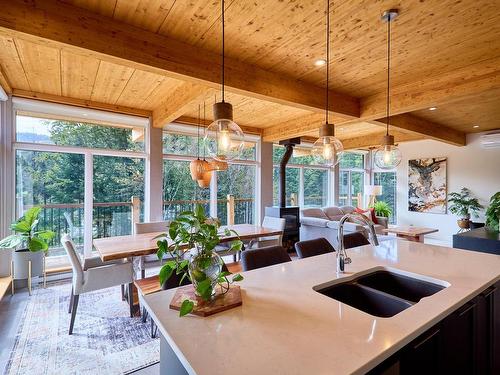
x,y
381,293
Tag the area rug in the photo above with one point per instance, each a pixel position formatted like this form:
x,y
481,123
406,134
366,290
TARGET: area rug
x,y
105,339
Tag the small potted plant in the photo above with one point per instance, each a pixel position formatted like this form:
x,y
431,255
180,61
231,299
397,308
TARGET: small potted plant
x,y
493,213
199,234
28,244
462,205
382,209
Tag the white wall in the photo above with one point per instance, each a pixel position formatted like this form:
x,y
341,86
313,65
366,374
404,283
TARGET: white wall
x,y
470,166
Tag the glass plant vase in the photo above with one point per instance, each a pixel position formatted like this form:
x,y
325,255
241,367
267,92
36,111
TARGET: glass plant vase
x,y
203,266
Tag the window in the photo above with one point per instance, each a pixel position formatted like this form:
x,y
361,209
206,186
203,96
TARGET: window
x,y
352,179
307,184
63,162
388,182
181,192
54,181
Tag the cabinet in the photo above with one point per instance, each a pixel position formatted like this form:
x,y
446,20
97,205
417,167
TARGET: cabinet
x,y
465,342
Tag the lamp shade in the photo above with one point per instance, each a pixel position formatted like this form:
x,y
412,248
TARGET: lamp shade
x,y
373,190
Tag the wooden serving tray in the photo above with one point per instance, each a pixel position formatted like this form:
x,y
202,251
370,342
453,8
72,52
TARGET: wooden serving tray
x,y
206,308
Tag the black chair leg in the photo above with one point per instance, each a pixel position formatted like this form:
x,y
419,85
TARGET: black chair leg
x,y
144,316
123,292
131,299
73,313
154,329
143,274
70,301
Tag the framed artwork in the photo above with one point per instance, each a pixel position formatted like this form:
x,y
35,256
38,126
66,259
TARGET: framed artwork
x,y
427,185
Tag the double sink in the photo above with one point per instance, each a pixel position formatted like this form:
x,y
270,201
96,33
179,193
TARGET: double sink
x,y
381,293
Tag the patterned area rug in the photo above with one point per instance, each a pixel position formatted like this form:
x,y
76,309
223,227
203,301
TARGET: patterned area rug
x,y
105,339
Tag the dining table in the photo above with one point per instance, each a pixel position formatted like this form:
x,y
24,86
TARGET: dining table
x,y
138,245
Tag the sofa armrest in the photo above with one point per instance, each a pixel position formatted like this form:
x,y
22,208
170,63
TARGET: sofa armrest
x,y
384,221
314,221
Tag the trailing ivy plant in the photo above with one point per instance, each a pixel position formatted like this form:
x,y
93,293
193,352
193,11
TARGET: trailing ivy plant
x,y
382,209
193,229
464,203
493,213
25,234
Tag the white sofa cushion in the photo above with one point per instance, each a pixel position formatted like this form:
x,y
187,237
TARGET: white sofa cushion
x,y
314,221
314,212
348,227
347,209
333,213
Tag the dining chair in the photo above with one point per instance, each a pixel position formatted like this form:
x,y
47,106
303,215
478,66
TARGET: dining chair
x,y
355,239
270,222
93,275
310,248
156,226
263,257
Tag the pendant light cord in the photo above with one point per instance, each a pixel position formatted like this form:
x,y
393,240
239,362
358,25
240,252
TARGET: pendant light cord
x,y
327,58
198,146
223,50
204,121
388,104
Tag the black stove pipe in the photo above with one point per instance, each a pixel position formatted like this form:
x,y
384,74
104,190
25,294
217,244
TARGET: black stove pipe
x,y
282,185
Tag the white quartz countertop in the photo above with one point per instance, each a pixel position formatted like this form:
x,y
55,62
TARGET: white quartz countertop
x,y
285,327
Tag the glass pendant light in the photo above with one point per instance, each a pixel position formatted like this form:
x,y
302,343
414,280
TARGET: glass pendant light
x,y
328,149
224,139
388,155
196,167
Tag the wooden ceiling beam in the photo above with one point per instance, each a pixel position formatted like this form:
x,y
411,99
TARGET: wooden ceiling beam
x,y
4,82
81,103
204,123
415,125
176,103
434,91
58,24
373,140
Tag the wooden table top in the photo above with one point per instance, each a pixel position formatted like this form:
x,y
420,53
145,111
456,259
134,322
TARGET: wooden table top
x,y
409,230
133,245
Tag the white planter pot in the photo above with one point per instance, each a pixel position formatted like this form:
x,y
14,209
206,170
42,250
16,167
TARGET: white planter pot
x,y
5,262
21,259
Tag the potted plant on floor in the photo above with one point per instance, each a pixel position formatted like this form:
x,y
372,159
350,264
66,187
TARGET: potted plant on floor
x,y
493,213
199,234
463,204
28,244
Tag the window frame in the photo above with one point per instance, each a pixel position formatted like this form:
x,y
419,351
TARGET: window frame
x,y
44,110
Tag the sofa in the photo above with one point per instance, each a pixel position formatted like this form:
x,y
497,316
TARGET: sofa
x,y
324,222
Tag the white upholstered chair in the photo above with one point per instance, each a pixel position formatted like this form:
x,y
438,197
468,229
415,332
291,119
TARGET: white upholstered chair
x,y
272,223
93,275
157,226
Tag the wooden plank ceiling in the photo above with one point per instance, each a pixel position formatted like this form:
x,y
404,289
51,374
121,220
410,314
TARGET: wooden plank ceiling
x,y
445,54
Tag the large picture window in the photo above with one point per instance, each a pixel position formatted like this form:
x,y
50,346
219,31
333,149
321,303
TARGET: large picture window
x,y
351,179
65,164
389,182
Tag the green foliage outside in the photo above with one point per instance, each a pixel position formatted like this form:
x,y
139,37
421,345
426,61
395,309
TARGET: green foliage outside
x,y
26,234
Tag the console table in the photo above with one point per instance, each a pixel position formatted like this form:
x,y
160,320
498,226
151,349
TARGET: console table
x,y
410,232
478,240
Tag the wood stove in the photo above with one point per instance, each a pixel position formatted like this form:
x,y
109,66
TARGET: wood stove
x,y
291,213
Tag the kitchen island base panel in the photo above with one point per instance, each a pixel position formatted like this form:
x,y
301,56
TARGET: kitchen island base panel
x,y
169,362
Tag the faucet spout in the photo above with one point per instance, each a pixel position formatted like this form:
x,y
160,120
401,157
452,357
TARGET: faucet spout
x,y
342,257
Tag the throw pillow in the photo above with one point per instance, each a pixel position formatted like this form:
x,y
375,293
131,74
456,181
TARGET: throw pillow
x,y
369,213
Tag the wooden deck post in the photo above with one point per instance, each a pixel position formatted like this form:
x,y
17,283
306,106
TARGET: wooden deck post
x,y
230,209
136,211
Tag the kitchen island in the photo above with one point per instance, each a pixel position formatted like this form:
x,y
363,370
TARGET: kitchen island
x,y
286,327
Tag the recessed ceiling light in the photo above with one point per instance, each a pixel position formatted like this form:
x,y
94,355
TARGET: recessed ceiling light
x,y
320,62
476,126
432,108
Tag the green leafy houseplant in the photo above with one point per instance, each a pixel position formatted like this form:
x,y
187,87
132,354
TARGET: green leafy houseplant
x,y
382,209
463,204
25,234
493,213
200,235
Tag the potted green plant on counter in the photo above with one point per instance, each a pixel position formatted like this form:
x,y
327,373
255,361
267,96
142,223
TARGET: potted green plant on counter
x,y
29,244
199,234
462,204
493,213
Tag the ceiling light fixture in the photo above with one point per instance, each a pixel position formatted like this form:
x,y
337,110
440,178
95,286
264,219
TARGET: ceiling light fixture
x,y
432,108
320,62
476,126
224,139
388,155
328,149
